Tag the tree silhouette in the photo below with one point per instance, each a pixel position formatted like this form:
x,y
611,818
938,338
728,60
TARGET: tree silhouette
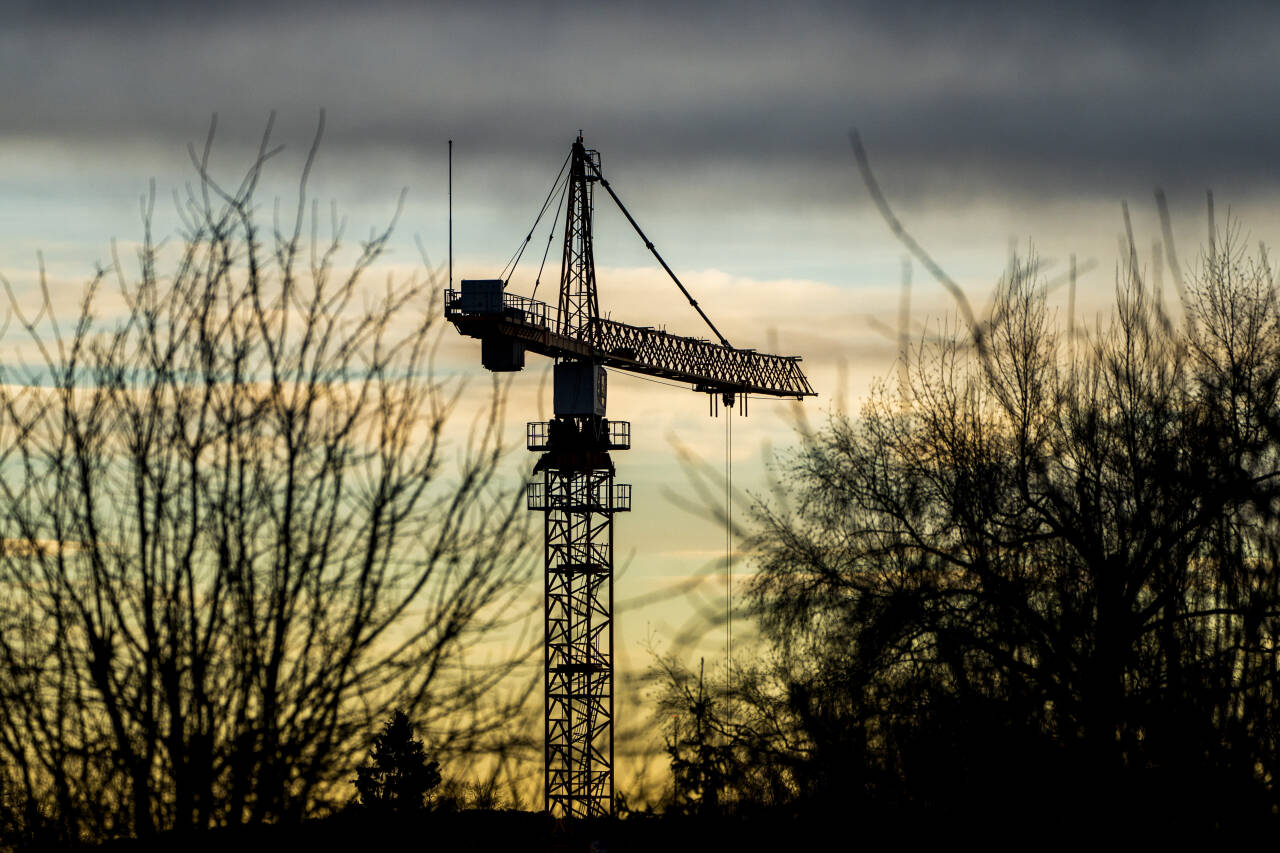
x,y
702,758
233,533
1047,579
397,776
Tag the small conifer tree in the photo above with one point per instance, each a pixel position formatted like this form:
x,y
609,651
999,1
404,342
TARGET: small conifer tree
x,y
397,776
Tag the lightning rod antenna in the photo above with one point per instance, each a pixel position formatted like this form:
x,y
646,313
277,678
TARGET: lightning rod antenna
x,y
450,214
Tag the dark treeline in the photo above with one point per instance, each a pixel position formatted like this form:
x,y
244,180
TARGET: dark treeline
x,y
1039,583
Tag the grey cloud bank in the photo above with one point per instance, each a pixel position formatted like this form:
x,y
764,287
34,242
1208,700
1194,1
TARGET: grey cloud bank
x,y
1009,98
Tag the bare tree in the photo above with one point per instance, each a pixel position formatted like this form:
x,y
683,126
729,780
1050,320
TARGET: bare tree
x,y
234,534
1047,581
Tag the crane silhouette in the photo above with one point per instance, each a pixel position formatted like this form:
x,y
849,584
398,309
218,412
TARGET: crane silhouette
x,y
574,485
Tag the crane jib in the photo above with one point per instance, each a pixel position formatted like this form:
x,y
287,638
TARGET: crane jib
x,y
517,321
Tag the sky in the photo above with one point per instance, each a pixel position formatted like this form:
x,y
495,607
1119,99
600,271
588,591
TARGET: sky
x,y
725,129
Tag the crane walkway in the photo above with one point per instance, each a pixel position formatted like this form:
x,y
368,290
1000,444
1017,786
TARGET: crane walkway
x,y
709,367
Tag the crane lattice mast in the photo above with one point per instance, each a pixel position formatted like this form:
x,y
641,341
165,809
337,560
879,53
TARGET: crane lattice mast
x,y
574,485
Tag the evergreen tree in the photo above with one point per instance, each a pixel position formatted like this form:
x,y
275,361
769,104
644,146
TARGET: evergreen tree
x,y
702,759
397,776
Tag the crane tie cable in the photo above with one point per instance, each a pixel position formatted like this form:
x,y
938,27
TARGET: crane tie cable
x,y
648,244
510,269
564,189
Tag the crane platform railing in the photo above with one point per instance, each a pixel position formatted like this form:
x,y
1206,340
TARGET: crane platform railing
x,y
617,436
706,365
602,497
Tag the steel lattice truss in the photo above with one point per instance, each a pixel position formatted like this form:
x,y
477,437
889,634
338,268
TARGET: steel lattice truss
x,y
579,504
639,349
578,302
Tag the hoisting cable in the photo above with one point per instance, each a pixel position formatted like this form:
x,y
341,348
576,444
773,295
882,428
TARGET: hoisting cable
x,y
648,244
510,269
728,562
551,235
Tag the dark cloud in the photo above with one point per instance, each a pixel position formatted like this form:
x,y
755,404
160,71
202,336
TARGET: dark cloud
x,y
986,97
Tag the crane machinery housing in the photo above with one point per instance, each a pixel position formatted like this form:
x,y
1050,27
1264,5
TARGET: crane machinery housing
x,y
574,477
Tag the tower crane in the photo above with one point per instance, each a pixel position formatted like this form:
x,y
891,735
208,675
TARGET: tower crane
x,y
574,477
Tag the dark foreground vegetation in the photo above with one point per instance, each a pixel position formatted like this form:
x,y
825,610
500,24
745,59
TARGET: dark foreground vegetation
x,y
482,831
1040,584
